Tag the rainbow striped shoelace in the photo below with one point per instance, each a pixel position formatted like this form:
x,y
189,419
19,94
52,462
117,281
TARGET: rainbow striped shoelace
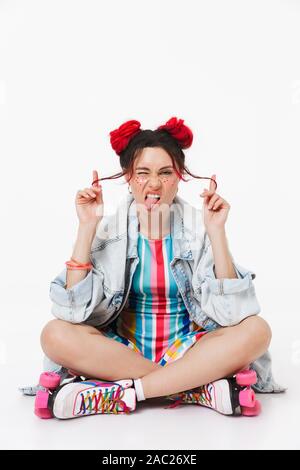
x,y
200,396
103,401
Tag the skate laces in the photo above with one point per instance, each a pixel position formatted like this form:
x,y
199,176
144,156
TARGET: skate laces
x,y
103,401
202,395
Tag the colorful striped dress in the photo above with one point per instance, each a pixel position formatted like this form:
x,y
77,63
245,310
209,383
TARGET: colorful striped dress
x,y
156,322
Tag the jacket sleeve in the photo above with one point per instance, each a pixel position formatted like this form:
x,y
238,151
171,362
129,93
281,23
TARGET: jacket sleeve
x,y
76,304
226,301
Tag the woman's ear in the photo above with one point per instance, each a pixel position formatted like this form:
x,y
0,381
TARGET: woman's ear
x,y
128,179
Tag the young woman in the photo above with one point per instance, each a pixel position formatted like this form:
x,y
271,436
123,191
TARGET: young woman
x,y
152,293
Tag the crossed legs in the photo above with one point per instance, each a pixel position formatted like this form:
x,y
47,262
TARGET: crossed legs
x,y
219,353
86,351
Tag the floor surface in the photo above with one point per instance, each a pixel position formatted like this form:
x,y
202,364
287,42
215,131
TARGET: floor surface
x,y
152,426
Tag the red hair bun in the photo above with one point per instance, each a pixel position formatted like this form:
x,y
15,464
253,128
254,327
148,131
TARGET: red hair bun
x,y
119,138
179,131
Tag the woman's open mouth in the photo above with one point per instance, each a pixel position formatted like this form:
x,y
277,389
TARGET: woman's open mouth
x,y
151,201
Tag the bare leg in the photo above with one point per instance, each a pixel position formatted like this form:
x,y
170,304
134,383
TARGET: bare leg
x,y
216,355
87,351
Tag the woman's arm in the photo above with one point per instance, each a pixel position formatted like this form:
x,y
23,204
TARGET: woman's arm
x,y
223,267
81,253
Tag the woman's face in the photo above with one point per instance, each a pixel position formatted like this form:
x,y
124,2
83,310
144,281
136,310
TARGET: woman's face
x,y
153,173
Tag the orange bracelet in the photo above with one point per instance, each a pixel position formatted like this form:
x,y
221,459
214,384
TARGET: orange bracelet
x,y
73,265
70,263
74,268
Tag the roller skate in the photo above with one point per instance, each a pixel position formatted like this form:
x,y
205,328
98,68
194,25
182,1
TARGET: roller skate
x,y
31,390
81,397
230,396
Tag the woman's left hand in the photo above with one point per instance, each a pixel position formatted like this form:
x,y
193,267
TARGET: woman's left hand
x,y
215,209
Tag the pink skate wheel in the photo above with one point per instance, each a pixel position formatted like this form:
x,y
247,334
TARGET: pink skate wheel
x,y
49,380
41,399
43,413
41,405
247,398
246,377
254,411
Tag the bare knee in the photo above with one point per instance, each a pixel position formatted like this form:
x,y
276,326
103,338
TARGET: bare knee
x,y
61,339
258,326
54,337
256,334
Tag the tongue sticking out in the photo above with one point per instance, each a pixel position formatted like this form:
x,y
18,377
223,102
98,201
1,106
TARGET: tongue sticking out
x,y
150,202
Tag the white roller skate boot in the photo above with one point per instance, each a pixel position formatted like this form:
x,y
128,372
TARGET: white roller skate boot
x,y
84,398
230,396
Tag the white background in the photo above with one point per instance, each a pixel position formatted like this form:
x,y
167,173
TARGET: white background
x,y
72,71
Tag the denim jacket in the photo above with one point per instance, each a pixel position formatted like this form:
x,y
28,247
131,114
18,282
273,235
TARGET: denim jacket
x,y
211,303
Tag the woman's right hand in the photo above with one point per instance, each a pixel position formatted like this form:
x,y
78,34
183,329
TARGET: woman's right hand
x,y
89,203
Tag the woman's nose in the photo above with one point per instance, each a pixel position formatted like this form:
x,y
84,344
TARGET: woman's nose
x,y
154,181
